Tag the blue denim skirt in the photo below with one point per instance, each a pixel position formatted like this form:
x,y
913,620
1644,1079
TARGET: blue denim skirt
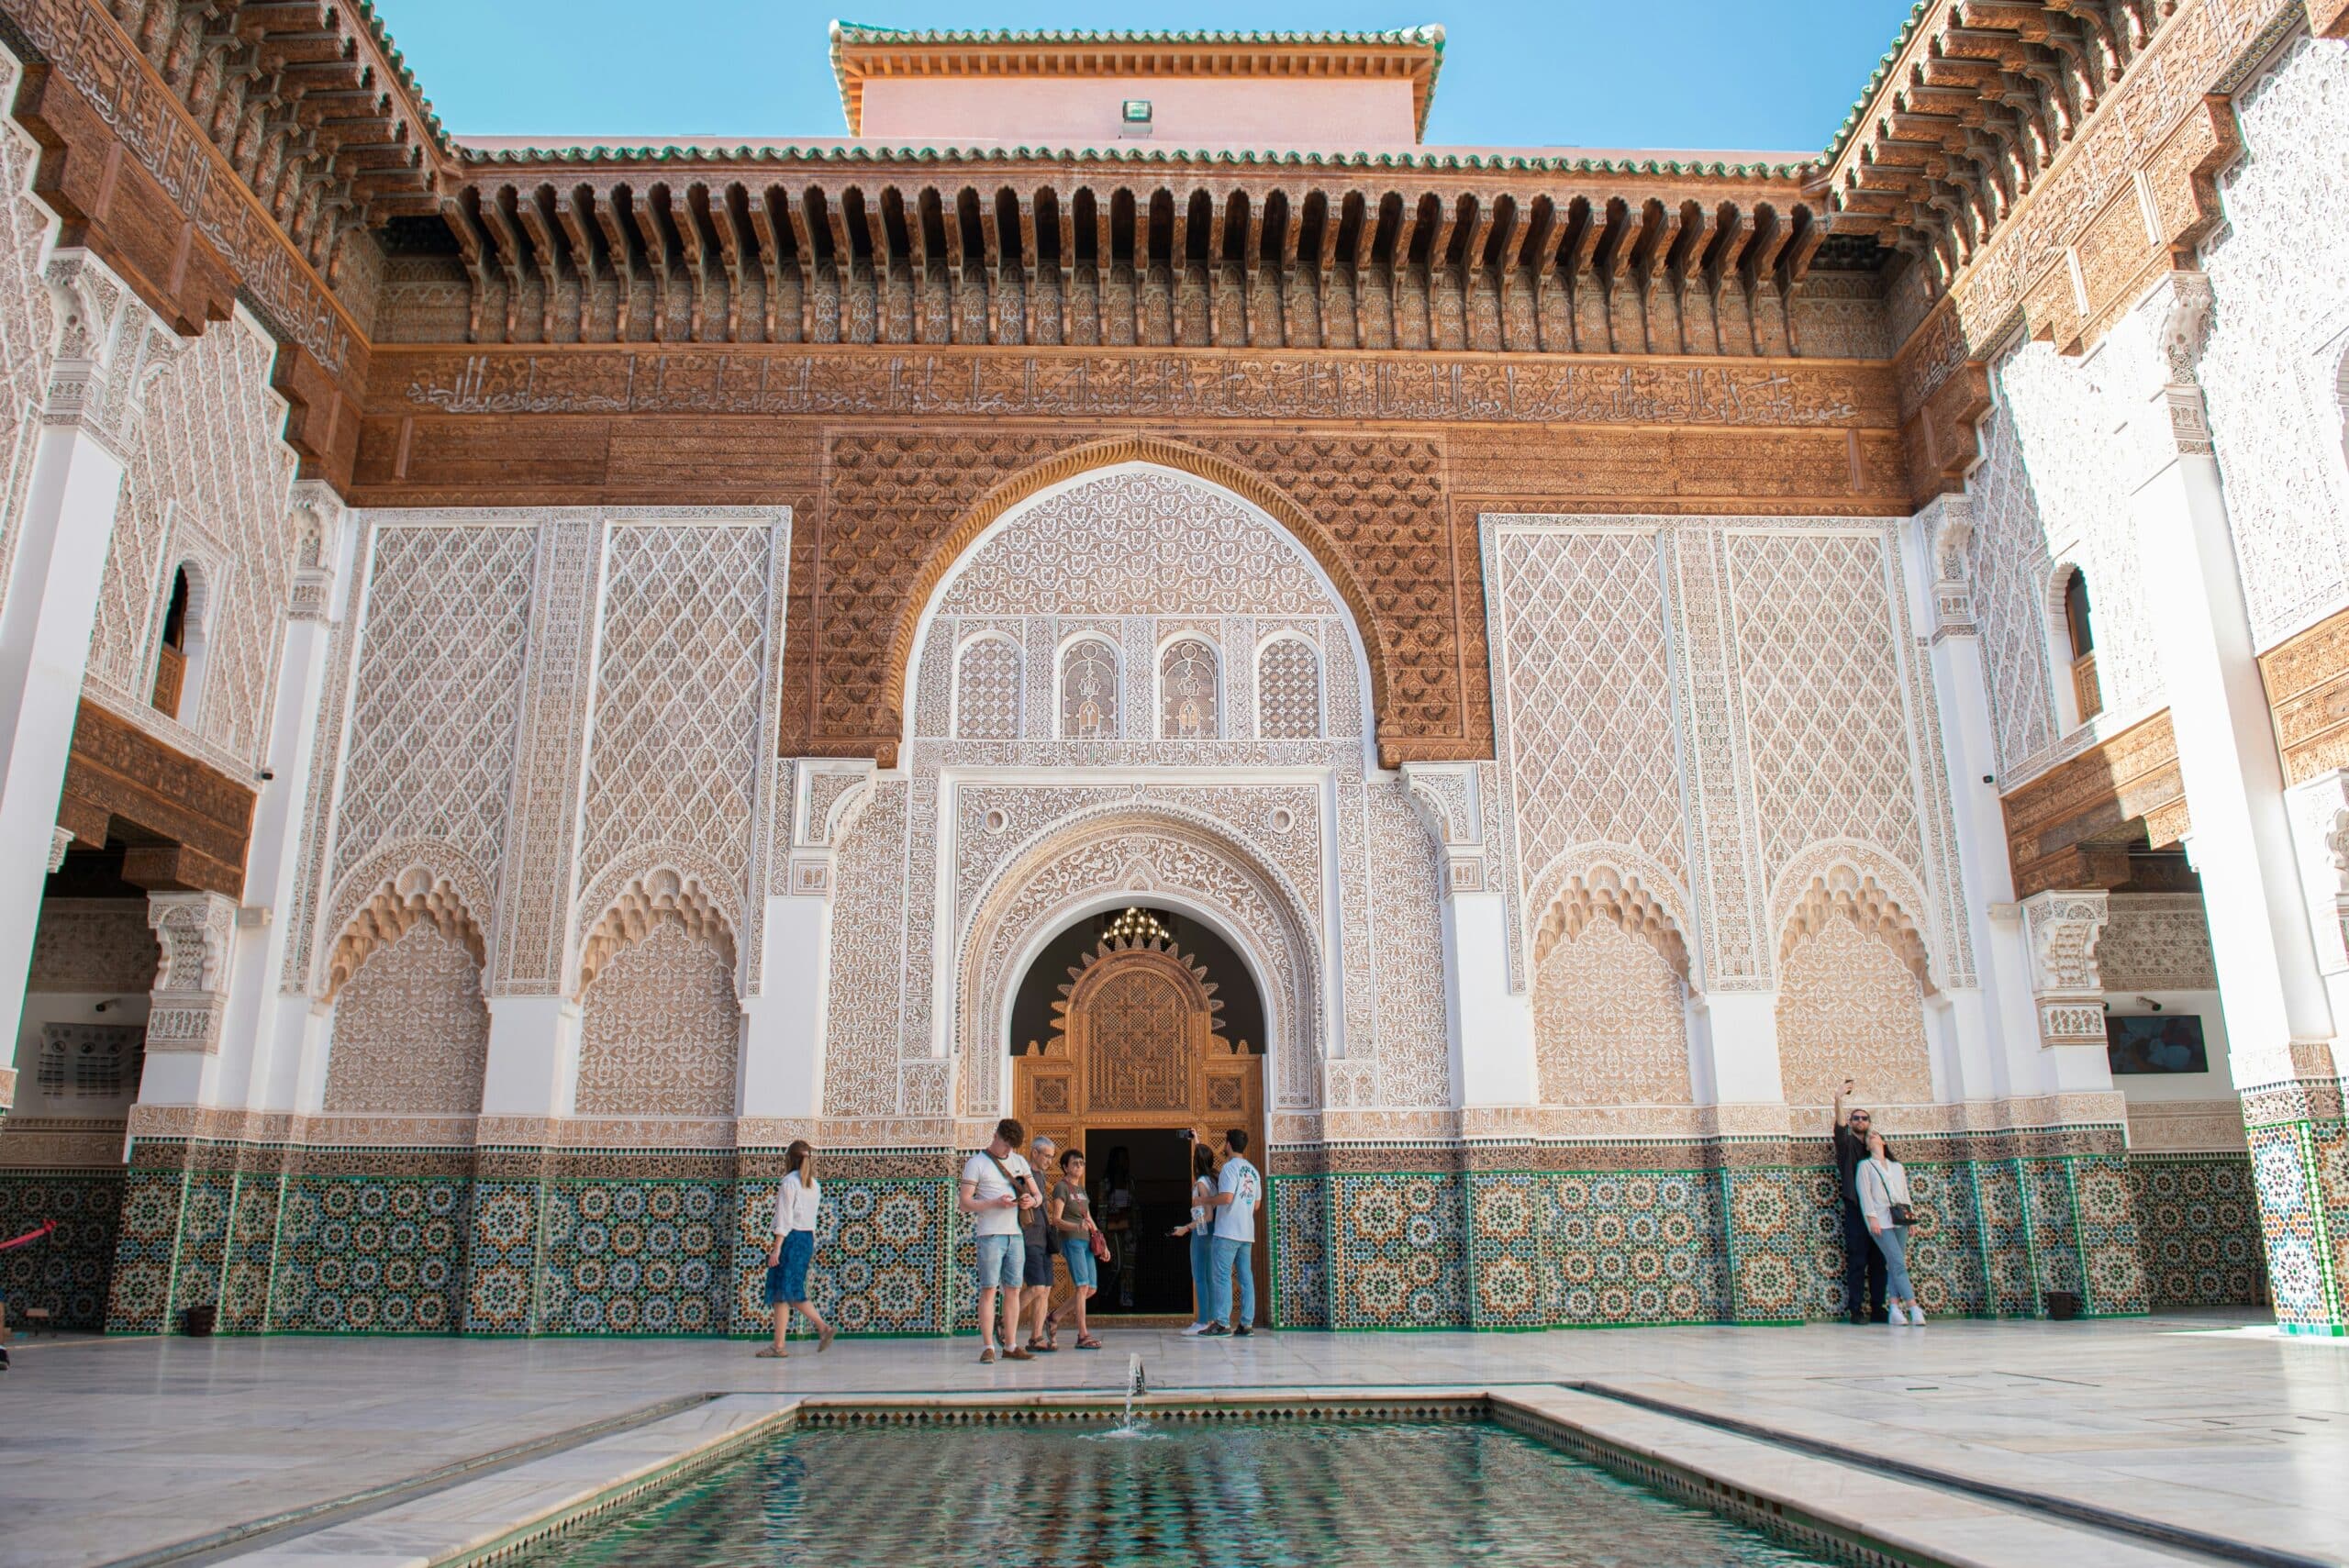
x,y
787,1281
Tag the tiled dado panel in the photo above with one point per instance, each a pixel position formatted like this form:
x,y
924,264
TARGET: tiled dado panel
x,y
2198,1225
2301,1172
69,1272
633,1252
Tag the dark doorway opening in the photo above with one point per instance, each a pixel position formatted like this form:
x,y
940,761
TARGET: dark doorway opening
x,y
1154,1175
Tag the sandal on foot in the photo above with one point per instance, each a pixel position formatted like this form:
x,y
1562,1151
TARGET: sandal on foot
x,y
1088,1342
824,1340
771,1354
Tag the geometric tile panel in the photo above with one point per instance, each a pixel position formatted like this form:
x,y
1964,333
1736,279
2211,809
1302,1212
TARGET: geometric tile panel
x,y
635,1256
1398,1256
1297,1217
370,1254
638,1253
2300,1170
2198,1219
69,1272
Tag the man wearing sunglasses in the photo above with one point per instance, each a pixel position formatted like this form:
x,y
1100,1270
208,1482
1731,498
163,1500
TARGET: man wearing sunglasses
x,y
1863,1264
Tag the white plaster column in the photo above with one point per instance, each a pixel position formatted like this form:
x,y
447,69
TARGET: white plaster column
x,y
1491,1013
2066,991
2270,985
260,1059
2318,810
1990,1030
102,345
196,934
785,1014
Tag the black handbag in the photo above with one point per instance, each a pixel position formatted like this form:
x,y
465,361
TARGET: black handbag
x,y
1903,1215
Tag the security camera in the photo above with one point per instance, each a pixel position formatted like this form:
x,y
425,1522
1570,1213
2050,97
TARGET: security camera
x,y
2150,1003
103,1006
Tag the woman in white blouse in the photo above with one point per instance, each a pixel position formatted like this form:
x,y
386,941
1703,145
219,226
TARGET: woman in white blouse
x,y
1883,1186
792,1246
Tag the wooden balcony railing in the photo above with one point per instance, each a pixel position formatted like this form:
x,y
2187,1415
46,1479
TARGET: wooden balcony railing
x,y
2085,689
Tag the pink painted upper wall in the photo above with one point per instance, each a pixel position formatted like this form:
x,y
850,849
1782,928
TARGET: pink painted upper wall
x,y
1185,112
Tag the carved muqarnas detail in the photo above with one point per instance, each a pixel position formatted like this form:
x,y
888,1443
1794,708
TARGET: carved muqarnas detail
x,y
659,897
1852,896
413,895
1606,894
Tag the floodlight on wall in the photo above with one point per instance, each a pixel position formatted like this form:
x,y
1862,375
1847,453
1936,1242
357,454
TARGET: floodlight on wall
x,y
1135,111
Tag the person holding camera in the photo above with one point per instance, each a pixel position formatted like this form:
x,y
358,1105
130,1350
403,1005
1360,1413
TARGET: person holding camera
x,y
1884,1200
996,1187
1863,1264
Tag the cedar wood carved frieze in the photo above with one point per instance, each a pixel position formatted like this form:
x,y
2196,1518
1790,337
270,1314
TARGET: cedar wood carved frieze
x,y
185,824
2307,677
2071,827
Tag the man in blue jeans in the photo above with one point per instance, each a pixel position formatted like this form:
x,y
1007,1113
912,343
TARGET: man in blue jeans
x,y
1238,1190
996,1187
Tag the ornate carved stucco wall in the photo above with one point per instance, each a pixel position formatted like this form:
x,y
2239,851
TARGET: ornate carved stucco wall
x,y
2051,493
2278,347
1716,732
1056,643
552,732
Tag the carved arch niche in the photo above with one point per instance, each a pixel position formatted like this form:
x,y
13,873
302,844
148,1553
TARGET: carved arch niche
x,y
1853,975
660,1024
1610,984
411,1030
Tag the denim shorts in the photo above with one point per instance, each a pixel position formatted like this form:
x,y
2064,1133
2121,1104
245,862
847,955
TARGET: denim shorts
x,y
1084,1268
1000,1260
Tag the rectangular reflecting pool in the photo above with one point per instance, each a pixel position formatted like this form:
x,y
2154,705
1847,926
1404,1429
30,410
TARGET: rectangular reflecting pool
x,y
1199,1492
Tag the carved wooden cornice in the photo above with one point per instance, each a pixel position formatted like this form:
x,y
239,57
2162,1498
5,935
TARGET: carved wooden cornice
x,y
861,54
184,823
1193,254
2073,825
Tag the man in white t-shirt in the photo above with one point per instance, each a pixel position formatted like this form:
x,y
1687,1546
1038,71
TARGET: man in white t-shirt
x,y
1238,1190
997,1184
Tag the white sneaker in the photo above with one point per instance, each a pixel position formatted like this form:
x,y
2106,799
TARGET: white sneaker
x,y
1916,1316
1196,1329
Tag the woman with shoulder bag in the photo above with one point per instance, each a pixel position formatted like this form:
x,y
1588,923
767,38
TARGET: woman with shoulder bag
x,y
1082,1247
1883,1186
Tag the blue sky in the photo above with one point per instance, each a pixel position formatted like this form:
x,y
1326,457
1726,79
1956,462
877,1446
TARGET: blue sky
x,y
1728,74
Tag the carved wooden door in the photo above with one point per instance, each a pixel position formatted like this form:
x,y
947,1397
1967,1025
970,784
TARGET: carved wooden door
x,y
1137,1046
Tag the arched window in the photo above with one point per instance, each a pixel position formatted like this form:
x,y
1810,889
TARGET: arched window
x,y
987,689
1288,690
1089,690
1186,691
179,662
2080,636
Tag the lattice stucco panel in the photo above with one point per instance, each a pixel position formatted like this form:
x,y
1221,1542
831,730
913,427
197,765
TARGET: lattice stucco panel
x,y
2279,277
1407,875
659,1030
208,480
437,693
1591,745
1818,668
2156,941
1848,1007
1609,1027
27,319
868,968
679,677
411,1031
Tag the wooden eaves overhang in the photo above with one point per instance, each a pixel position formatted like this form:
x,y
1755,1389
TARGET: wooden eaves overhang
x,y
217,150
947,245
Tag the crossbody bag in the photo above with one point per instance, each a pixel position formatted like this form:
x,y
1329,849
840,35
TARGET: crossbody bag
x,y
1901,1213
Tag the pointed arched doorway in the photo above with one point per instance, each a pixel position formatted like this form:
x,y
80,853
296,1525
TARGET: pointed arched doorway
x,y
1136,1031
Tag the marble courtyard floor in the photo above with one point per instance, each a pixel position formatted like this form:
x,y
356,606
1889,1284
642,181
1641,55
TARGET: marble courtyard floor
x,y
123,1448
